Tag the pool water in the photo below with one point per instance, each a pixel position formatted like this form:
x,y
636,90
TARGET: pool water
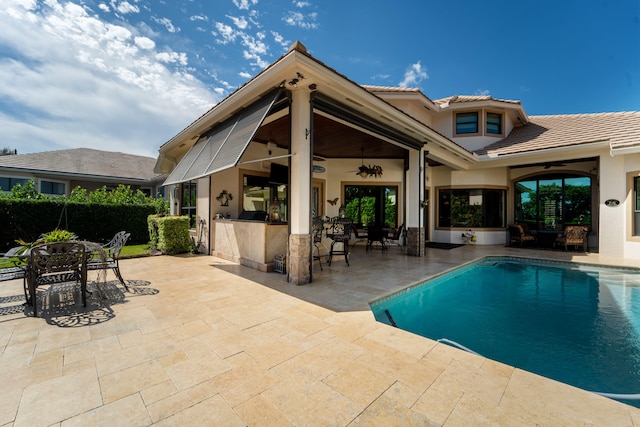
x,y
579,324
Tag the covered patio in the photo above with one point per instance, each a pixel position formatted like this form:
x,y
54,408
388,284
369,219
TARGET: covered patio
x,y
225,343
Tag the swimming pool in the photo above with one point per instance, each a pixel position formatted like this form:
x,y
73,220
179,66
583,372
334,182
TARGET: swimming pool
x,y
575,323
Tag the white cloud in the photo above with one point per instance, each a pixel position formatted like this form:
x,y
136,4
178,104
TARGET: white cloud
x,y
124,7
77,81
483,92
245,4
381,77
245,75
279,38
255,49
240,22
227,33
144,43
167,24
414,75
298,19
301,4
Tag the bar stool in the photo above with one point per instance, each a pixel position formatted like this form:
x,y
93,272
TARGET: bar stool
x,y
318,228
340,232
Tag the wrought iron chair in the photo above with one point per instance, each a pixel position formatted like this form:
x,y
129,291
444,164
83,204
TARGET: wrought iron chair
x,y
360,234
56,263
318,228
340,232
375,234
18,270
397,237
110,255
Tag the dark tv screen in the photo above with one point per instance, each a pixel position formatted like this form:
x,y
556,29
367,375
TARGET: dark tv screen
x,y
279,174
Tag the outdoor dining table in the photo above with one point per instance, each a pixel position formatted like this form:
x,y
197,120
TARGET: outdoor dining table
x,y
36,272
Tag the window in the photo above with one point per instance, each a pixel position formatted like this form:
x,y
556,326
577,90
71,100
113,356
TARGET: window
x,y
161,192
372,204
189,198
474,207
52,188
467,123
258,194
7,183
636,206
553,201
494,123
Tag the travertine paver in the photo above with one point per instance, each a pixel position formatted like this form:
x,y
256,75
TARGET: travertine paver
x,y
202,341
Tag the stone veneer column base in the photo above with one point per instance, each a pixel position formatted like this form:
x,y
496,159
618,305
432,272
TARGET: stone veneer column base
x,y
298,259
415,241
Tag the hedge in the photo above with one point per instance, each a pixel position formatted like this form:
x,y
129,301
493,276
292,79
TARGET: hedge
x,y
28,219
170,234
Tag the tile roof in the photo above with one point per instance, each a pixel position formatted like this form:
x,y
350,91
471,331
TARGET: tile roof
x,y
470,98
84,161
372,88
620,130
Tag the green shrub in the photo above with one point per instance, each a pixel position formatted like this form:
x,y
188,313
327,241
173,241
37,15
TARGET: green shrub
x,y
169,234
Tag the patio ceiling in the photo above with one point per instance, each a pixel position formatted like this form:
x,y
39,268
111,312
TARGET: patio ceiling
x,y
332,139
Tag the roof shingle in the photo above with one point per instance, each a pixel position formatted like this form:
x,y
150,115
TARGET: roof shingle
x,y
84,161
620,130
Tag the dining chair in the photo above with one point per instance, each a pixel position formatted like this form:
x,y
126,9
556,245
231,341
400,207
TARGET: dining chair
x,y
109,256
53,263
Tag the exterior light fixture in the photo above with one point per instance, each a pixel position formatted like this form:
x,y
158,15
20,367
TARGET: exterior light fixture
x,y
293,82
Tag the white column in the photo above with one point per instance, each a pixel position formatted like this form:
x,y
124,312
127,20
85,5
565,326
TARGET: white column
x,y
300,162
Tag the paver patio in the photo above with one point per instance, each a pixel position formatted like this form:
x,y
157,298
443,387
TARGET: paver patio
x,y
203,341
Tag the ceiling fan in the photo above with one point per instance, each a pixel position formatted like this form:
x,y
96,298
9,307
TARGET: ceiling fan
x,y
365,171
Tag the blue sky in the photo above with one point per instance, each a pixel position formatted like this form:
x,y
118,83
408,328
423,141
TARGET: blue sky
x,y
128,75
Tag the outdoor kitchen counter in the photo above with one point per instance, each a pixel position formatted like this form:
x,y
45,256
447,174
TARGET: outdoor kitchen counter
x,y
250,243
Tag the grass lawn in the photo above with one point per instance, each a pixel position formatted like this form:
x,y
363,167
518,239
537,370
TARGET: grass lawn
x,y
131,251
135,251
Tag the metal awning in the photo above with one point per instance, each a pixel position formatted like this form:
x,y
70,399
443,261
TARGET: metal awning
x,y
222,147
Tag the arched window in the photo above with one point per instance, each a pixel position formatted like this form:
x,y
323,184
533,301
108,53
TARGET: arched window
x,y
553,201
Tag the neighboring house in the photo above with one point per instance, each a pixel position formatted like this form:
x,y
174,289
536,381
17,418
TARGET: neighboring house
x,y
58,172
449,167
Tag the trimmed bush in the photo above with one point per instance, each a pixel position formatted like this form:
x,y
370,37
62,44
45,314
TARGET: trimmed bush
x,y
28,219
169,234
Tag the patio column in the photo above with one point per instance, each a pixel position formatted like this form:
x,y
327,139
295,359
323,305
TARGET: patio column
x,y
299,188
415,193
